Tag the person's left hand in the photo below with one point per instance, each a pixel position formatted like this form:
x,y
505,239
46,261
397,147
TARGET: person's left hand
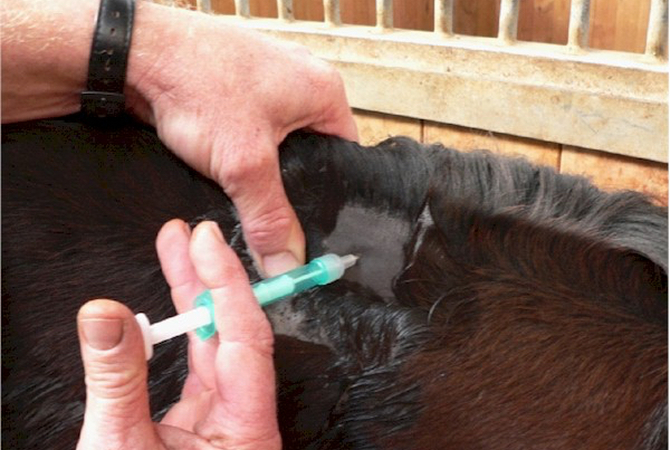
x,y
228,399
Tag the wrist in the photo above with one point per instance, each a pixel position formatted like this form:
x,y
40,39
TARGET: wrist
x,y
168,52
45,50
103,97
154,33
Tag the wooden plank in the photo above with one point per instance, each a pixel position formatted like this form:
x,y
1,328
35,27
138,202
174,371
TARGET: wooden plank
x,y
619,25
477,18
630,28
308,10
599,100
544,21
223,6
263,8
603,22
408,14
358,12
468,139
374,127
615,25
413,14
614,172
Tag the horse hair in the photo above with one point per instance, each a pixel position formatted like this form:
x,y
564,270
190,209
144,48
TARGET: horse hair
x,y
496,304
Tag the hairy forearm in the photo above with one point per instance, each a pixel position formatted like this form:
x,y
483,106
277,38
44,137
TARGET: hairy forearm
x,y
45,47
45,52
221,97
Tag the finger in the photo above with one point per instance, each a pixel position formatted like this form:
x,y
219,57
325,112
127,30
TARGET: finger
x,y
117,411
172,246
244,410
330,112
271,228
339,121
239,317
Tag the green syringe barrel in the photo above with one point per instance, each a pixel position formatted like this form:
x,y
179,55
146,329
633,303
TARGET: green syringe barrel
x,y
320,271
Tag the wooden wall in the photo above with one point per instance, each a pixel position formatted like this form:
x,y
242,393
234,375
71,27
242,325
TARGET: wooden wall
x,y
615,25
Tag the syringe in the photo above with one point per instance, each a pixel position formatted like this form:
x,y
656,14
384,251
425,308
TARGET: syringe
x,y
322,270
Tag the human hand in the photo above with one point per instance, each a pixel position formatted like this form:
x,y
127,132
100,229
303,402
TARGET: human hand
x,y
223,98
228,399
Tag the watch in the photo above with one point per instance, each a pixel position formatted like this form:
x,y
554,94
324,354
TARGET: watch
x,y
107,64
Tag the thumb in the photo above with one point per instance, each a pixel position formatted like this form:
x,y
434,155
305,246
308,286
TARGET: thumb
x,y
117,412
271,228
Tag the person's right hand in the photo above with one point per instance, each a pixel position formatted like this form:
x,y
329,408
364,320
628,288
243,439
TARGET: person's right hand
x,y
223,98
228,400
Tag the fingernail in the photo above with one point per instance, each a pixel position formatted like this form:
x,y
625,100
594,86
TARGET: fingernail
x,y
102,334
214,230
279,263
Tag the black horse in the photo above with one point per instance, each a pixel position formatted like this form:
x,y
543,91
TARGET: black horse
x,y
496,304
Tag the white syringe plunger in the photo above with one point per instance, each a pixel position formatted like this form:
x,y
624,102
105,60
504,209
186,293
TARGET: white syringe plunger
x,y
172,327
322,270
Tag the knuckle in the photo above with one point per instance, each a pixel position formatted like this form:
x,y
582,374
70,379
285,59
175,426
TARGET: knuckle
x,y
326,82
226,272
268,228
243,167
327,74
265,344
257,336
114,383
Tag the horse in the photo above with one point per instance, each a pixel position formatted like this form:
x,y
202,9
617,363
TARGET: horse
x,y
496,304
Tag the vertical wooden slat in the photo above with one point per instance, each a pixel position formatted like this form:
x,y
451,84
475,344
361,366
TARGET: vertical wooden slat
x,y
578,29
414,14
509,20
331,12
242,8
357,12
385,14
544,21
478,18
444,17
223,7
285,9
657,31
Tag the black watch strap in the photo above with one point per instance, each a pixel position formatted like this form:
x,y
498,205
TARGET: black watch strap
x,y
103,96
